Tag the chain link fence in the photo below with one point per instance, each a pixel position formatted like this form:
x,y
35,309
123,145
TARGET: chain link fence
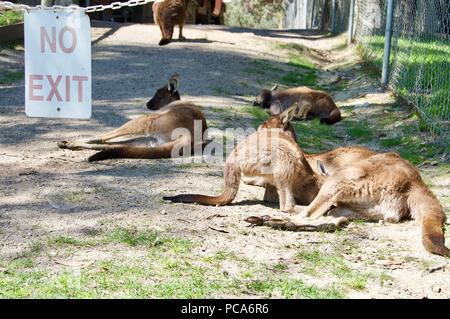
x,y
420,54
419,65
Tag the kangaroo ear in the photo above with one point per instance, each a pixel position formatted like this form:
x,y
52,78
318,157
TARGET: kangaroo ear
x,y
289,114
173,83
275,107
274,88
322,169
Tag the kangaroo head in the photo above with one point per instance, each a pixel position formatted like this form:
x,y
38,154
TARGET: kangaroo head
x,y
264,99
281,120
165,95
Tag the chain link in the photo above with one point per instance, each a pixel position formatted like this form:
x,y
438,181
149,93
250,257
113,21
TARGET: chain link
x,y
112,6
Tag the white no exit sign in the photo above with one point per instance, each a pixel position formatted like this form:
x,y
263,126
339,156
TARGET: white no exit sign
x,y
57,64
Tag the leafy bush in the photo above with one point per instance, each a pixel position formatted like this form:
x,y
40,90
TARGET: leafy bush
x,y
254,13
10,17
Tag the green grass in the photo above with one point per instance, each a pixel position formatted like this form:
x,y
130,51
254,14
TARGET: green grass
x,y
299,79
9,77
149,238
10,17
314,136
294,288
163,273
424,64
316,262
259,115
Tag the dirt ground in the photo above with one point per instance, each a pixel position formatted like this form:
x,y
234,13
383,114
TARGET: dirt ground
x,y
61,216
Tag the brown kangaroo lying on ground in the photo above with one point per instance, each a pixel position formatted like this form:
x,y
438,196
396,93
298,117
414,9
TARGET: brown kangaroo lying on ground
x,y
166,15
155,129
311,103
380,186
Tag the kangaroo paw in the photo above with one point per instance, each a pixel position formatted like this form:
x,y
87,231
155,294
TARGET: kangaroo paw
x,y
164,41
68,145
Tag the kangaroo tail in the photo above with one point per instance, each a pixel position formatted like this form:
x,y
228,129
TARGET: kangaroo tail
x,y
425,207
333,117
162,151
232,176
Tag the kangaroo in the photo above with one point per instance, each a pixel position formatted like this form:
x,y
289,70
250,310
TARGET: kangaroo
x,y
154,130
156,127
165,95
311,103
166,15
370,184
383,186
269,157
333,159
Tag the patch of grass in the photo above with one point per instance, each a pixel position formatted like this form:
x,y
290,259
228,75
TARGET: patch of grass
x,y
359,130
62,240
149,238
11,77
300,79
316,262
314,136
422,66
389,142
280,267
10,17
259,115
294,288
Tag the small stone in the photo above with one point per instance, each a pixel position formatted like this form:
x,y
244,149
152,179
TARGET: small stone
x,y
437,289
163,212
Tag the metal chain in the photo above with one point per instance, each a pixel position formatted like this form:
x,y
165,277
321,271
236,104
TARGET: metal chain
x,y
112,6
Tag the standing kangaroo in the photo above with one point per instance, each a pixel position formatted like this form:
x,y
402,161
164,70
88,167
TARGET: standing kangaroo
x,y
311,103
166,15
155,129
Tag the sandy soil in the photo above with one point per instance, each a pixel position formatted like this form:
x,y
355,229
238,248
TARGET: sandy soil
x,y
127,67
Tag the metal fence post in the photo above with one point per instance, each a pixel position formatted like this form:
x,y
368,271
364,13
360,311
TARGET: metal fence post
x,y
311,23
350,22
387,43
333,16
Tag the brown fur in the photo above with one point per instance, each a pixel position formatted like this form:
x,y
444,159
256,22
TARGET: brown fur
x,y
157,126
167,15
165,94
383,186
311,103
333,160
377,186
251,158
